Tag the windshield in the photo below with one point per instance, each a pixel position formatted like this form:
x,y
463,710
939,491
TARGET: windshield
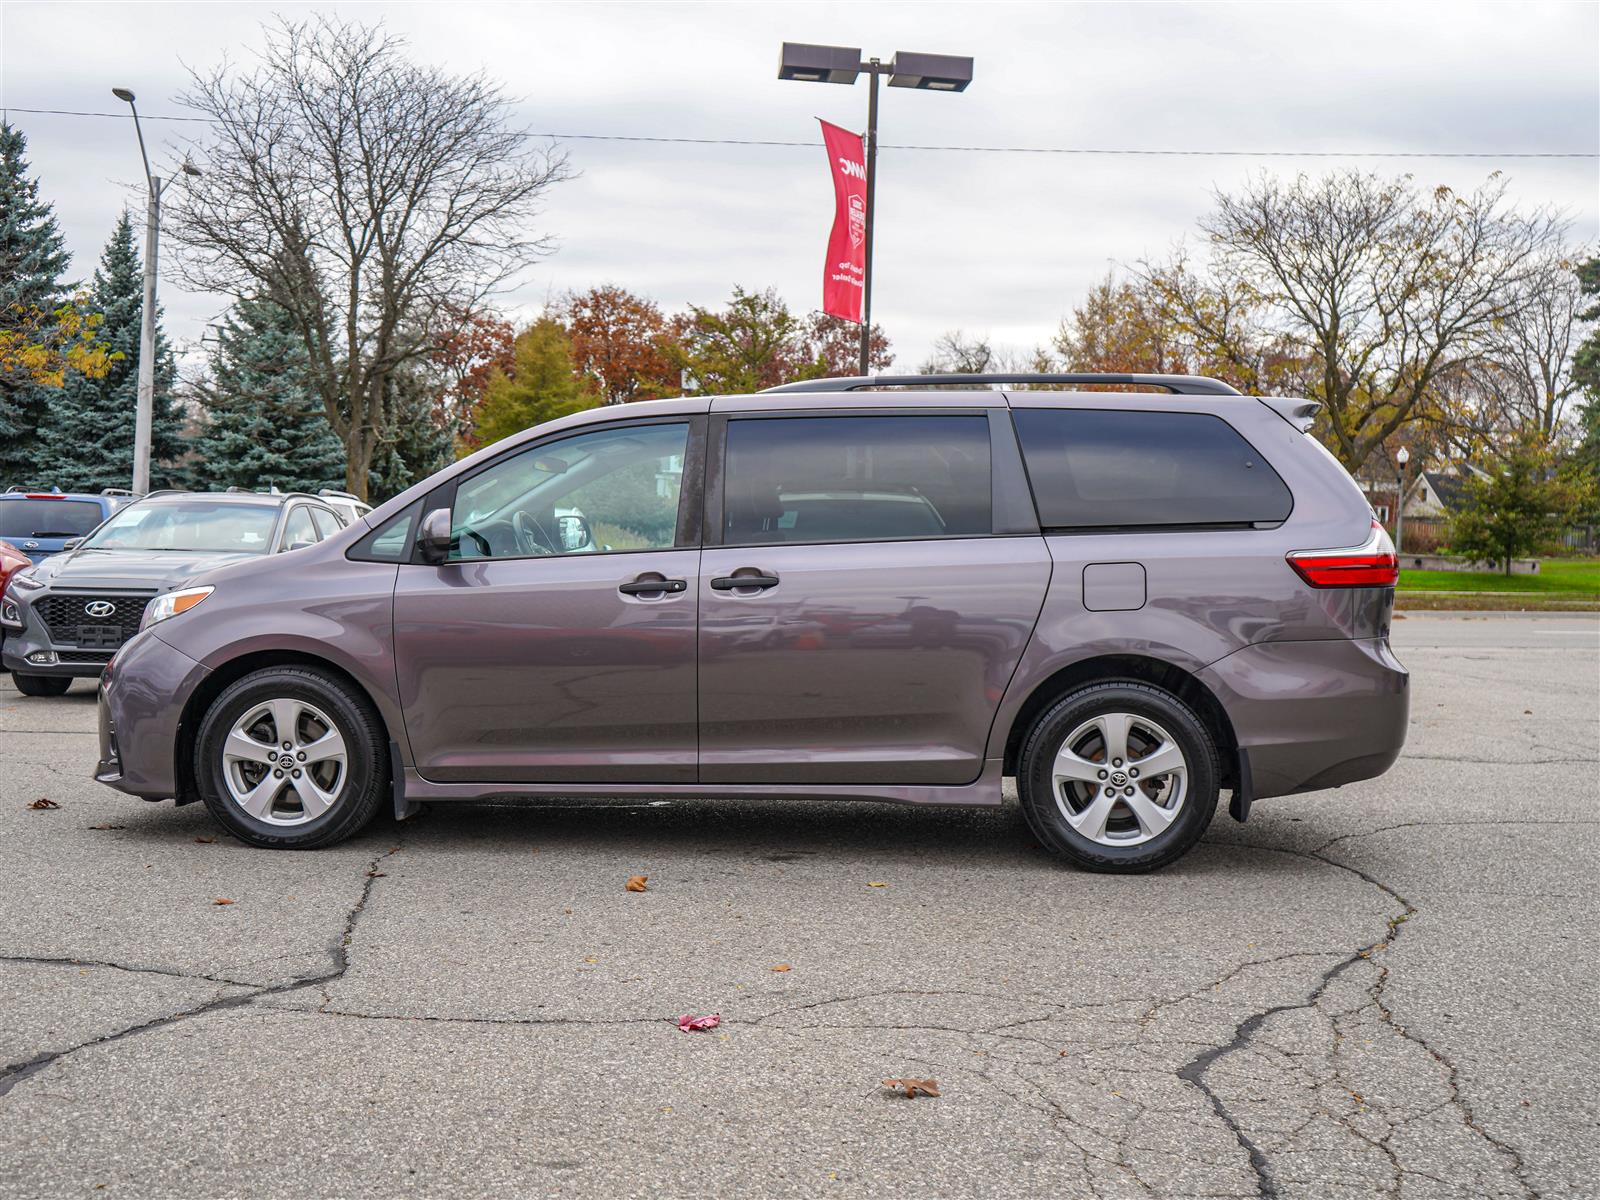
x,y
199,526
47,518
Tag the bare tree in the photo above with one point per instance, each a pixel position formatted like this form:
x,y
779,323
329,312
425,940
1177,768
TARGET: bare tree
x,y
1529,354
1383,290
373,199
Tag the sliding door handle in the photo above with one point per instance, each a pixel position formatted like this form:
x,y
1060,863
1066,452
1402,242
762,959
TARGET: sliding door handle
x,y
649,587
726,583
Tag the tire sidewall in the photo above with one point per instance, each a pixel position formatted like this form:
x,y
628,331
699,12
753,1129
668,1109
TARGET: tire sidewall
x,y
355,804
1036,787
41,685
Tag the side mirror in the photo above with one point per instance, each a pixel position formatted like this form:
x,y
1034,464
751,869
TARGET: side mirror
x,y
433,537
575,532
72,543
300,545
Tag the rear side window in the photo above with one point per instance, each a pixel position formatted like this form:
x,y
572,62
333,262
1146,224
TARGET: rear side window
x,y
1093,468
855,479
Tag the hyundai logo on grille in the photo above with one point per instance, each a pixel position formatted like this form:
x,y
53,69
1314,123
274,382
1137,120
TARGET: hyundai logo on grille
x,y
99,608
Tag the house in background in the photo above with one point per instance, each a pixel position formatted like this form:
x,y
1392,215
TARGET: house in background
x,y
1439,492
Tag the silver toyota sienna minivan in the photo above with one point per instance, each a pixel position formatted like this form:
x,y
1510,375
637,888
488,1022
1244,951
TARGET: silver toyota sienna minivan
x,y
889,588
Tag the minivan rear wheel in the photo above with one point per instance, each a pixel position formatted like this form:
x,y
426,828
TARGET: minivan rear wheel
x,y
291,758
1119,777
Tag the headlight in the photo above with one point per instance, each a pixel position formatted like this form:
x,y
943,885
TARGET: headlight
x,y
170,604
24,581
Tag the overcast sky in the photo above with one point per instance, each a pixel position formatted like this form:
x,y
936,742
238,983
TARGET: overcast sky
x,y
1001,244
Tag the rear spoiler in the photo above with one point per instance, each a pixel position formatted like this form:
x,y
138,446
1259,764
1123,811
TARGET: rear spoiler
x,y
1299,413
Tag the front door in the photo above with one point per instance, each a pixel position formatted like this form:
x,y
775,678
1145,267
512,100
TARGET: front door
x,y
558,643
859,617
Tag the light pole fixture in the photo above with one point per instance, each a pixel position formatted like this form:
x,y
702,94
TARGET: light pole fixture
x,y
1402,457
841,64
144,412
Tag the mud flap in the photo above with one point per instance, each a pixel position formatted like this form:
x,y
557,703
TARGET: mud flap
x,y
403,808
1244,794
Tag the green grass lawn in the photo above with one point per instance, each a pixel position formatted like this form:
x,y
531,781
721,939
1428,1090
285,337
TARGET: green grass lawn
x,y
1575,577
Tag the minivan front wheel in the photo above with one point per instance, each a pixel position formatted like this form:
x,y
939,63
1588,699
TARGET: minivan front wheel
x,y
291,758
1119,777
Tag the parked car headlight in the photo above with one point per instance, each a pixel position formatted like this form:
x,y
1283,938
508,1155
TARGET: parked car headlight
x,y
24,581
170,604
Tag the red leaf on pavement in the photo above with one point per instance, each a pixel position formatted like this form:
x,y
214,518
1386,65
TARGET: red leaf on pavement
x,y
693,1024
43,803
222,900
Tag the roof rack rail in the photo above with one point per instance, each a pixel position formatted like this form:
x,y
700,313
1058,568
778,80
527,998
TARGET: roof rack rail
x,y
117,492
1181,385
339,494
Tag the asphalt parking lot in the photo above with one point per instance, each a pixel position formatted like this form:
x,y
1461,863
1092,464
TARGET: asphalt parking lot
x,y
1388,990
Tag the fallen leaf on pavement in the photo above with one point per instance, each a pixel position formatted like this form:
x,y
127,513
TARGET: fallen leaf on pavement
x,y
222,900
108,827
693,1024
875,883
781,967
43,803
376,874
914,1087
636,883
205,841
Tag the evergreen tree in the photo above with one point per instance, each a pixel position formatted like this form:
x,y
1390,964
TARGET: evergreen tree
x,y
420,433
262,424
540,386
87,435
33,257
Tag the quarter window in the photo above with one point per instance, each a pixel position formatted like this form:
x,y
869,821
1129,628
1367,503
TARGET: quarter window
x,y
1093,468
856,479
607,490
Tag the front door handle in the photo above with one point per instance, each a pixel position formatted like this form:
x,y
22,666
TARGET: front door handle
x,y
726,583
649,587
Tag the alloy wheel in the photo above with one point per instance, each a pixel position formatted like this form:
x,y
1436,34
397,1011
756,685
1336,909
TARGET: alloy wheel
x,y
1120,779
284,762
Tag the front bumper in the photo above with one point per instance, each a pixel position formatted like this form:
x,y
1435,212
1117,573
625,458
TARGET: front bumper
x,y
20,647
1315,714
141,707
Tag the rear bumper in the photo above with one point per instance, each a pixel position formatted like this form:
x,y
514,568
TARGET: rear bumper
x,y
141,703
1316,714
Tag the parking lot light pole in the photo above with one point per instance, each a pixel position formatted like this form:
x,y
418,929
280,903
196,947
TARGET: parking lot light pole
x,y
1402,457
144,413
841,64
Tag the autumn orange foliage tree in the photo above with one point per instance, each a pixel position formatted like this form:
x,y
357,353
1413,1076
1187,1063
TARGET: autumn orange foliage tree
x,y
621,341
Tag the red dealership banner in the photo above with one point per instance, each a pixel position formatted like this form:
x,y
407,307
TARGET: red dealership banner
x,y
845,274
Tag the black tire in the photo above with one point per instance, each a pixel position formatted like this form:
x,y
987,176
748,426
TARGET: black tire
x,y
1037,790
42,685
365,783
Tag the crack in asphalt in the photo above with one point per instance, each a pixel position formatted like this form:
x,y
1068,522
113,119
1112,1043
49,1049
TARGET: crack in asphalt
x,y
29,960
1194,1071
15,1073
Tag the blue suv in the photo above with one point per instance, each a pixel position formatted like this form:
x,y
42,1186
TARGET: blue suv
x,y
42,523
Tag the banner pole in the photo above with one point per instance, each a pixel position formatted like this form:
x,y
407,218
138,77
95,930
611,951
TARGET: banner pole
x,y
872,180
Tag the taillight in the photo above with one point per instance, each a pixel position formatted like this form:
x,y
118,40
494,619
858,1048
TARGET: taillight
x,y
1371,564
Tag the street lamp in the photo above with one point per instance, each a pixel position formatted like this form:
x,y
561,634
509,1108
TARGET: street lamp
x,y
144,413
841,64
1402,456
